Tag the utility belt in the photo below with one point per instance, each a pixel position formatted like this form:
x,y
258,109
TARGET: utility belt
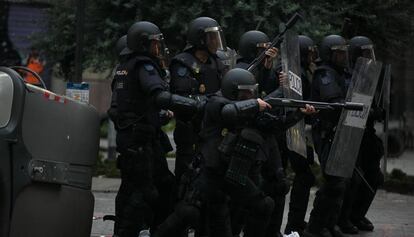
x,y
240,151
137,130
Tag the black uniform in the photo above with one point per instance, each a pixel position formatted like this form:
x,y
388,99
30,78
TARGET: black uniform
x,y
190,77
137,123
233,157
369,157
359,196
139,94
266,78
275,183
328,85
304,178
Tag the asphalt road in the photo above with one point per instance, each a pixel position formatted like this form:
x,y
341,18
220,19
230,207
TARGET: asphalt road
x,y
392,214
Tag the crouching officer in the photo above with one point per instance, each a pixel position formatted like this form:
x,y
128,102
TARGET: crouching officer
x,y
230,145
139,93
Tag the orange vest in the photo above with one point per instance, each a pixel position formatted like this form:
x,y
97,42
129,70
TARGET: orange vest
x,y
36,66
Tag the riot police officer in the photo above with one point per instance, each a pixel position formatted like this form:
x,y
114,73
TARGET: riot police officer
x,y
230,146
304,178
251,44
139,92
329,84
359,197
195,73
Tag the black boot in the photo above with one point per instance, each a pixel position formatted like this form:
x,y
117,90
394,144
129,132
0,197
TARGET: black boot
x,y
347,227
363,224
336,232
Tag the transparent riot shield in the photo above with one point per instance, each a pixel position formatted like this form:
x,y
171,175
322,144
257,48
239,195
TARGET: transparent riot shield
x,y
228,57
292,89
351,126
386,107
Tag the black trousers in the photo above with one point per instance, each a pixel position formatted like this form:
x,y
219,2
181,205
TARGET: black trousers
x,y
358,197
328,201
185,138
299,194
145,197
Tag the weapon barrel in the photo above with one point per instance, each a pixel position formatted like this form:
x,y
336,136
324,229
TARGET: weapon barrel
x,y
283,102
354,106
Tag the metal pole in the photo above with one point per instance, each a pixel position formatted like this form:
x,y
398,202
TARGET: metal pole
x,y
80,16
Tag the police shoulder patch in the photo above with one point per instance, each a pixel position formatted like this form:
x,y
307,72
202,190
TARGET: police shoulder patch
x,y
182,71
327,77
149,67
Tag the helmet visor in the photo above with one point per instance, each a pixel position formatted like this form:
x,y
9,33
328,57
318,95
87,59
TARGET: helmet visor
x,y
246,92
367,51
262,47
313,54
340,56
215,39
159,49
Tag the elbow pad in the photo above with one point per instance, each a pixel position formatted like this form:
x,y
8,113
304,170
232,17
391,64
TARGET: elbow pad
x,y
240,110
176,103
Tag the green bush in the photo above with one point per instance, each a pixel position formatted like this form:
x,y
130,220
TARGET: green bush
x,y
106,168
104,129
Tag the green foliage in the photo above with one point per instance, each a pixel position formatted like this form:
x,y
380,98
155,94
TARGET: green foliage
x,y
387,22
169,127
103,130
106,167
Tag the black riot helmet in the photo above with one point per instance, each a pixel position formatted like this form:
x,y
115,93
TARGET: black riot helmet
x,y
361,46
205,33
308,50
146,38
334,51
239,84
120,45
252,43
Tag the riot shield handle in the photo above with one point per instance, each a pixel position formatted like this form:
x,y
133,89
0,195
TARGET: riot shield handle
x,y
17,68
276,41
